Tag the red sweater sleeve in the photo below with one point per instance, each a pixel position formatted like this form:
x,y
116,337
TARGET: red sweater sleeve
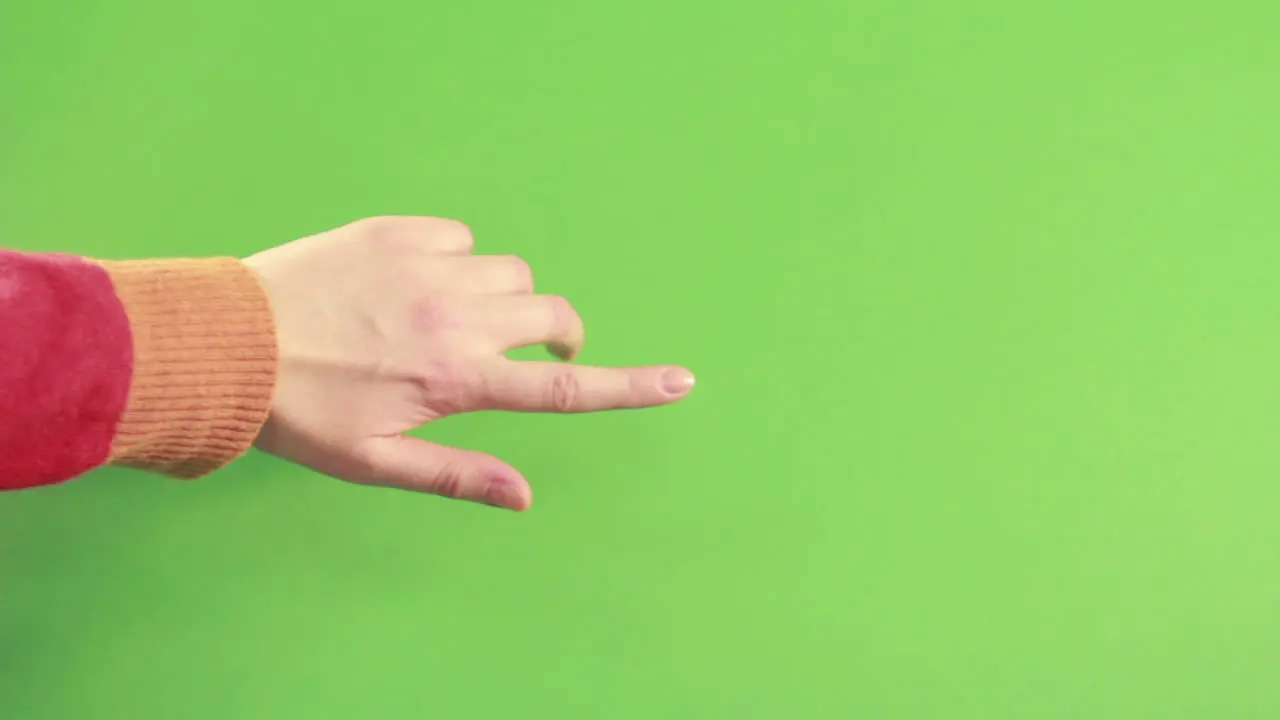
x,y
65,367
166,365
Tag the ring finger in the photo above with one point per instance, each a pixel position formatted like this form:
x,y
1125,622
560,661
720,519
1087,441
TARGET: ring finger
x,y
511,322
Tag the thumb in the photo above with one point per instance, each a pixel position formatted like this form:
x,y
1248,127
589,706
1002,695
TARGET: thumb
x,y
411,463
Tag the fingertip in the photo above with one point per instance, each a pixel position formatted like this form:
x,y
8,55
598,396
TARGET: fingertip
x,y
564,351
676,382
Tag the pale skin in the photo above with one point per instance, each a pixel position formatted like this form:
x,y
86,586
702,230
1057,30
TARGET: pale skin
x,y
390,323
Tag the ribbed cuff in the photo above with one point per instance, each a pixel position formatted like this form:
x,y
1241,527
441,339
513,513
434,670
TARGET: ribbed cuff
x,y
204,364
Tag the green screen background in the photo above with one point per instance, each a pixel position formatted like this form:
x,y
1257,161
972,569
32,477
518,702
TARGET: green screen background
x,y
982,298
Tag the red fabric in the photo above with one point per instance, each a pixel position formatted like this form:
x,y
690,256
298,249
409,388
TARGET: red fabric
x,y
66,358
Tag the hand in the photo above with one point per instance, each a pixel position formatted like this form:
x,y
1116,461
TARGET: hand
x,y
390,323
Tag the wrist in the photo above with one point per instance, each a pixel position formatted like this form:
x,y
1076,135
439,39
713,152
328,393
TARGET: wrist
x,y
204,363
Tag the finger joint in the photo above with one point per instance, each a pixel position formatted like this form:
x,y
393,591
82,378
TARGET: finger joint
x,y
565,391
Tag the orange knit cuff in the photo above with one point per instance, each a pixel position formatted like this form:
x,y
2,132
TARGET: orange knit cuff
x,y
204,363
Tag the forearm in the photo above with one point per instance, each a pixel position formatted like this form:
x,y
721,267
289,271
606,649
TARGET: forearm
x,y
165,365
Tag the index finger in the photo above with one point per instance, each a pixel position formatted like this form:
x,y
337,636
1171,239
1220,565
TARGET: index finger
x,y
557,387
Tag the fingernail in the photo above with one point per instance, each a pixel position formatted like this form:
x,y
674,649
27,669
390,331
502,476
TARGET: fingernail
x,y
498,494
677,381
502,493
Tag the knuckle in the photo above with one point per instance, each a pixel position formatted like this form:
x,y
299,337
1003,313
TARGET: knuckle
x,y
563,315
455,230
448,481
431,315
522,271
564,391
401,231
384,231
455,226
377,223
372,221
433,378
446,388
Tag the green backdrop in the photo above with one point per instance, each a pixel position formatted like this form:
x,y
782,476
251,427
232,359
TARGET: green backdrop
x,y
982,296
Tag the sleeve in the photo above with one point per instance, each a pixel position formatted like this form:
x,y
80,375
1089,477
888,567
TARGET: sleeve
x,y
164,365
